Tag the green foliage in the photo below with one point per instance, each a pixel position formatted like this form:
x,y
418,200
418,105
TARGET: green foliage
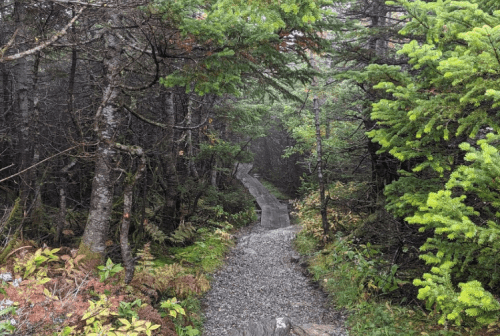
x,y
134,326
39,262
206,253
449,95
187,331
232,205
184,233
167,279
6,327
379,319
126,309
109,270
243,39
465,243
305,243
341,133
99,319
224,151
340,215
172,307
14,219
353,276
155,232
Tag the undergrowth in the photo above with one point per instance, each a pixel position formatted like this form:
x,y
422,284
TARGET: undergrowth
x,y
361,278
61,295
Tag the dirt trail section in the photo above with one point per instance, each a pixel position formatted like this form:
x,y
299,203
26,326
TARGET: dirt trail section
x,y
261,291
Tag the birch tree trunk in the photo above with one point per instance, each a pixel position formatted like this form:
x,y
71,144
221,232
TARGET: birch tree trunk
x,y
93,243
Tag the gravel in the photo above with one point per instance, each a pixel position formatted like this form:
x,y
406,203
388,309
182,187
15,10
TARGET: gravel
x,y
260,281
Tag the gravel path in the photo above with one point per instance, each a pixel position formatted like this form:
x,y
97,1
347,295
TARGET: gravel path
x,y
260,282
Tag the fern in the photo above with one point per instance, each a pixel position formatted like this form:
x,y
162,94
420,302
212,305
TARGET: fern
x,y
155,232
145,262
184,233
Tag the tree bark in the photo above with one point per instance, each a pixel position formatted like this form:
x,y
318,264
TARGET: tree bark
x,y
35,125
170,156
61,220
189,141
6,108
93,243
324,219
24,116
128,260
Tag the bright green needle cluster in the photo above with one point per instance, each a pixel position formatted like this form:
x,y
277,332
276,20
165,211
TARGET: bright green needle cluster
x,y
441,119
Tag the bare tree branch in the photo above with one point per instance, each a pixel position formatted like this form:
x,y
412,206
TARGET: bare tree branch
x,y
155,123
33,166
45,44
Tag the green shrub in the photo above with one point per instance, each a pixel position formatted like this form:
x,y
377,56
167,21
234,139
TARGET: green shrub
x,y
465,246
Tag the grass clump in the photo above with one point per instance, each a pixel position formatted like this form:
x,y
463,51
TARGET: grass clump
x,y
306,244
206,253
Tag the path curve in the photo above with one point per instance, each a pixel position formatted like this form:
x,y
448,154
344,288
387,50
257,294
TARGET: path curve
x,y
260,291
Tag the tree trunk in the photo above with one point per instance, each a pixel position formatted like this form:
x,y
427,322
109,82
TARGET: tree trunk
x,y
128,260
6,108
324,220
189,141
35,125
213,175
171,194
93,243
61,220
71,89
24,116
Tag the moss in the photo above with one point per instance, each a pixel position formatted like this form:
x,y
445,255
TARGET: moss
x,y
92,259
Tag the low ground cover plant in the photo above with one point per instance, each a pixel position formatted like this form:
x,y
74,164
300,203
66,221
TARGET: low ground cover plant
x,y
58,293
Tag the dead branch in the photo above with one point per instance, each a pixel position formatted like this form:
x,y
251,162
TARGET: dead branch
x,y
45,44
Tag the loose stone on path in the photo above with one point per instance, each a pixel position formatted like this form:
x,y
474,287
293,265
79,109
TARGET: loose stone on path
x,y
261,291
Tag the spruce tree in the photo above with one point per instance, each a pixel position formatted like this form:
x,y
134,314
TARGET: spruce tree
x,y
433,121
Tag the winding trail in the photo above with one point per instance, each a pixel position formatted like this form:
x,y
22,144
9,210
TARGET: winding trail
x,y
261,291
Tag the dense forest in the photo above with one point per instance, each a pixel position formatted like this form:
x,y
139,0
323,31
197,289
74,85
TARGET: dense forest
x,y
121,123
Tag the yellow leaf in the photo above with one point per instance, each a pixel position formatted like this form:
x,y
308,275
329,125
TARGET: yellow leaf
x,y
124,321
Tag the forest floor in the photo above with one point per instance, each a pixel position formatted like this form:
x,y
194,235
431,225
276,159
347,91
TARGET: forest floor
x,y
262,280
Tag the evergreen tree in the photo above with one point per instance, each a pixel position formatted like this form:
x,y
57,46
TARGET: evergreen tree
x,y
435,110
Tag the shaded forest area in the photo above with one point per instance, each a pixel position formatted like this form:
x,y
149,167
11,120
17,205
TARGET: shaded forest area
x,y
121,123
